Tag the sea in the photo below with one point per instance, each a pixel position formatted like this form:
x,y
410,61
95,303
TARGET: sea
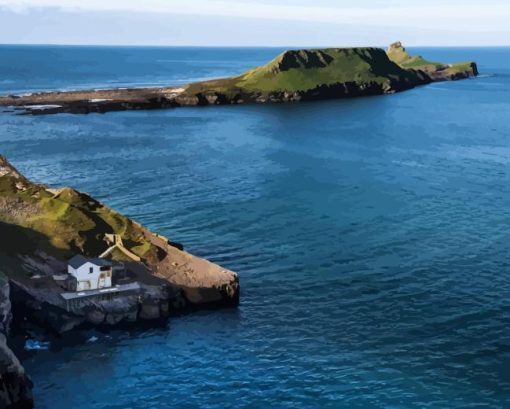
x,y
371,235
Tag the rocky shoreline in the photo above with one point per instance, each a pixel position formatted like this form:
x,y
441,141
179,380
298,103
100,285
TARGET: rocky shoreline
x,y
23,307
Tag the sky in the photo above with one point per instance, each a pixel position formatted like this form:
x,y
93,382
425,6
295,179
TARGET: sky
x,y
255,22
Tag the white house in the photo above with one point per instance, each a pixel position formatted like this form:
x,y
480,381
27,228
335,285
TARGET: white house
x,y
90,273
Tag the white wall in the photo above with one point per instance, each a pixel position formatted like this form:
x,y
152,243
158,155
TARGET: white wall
x,y
88,280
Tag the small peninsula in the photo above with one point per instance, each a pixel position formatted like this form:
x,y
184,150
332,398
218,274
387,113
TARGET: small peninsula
x,y
294,75
48,231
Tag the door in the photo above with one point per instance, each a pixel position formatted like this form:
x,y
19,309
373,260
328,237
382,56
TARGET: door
x,y
83,285
102,281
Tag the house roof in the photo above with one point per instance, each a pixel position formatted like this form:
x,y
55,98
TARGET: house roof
x,y
78,261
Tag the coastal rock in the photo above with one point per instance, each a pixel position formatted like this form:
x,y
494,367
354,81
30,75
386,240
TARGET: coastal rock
x,y
114,319
15,385
95,316
41,307
306,59
150,311
5,305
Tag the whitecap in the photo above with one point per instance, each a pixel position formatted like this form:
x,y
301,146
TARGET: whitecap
x,y
34,344
41,107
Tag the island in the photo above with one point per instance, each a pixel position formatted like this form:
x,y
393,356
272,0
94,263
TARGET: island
x,y
294,75
69,261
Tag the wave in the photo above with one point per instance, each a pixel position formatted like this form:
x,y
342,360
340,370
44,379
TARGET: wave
x,y
36,345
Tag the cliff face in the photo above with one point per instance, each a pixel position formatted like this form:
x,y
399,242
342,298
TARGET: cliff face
x,y
5,305
15,385
46,227
305,59
295,75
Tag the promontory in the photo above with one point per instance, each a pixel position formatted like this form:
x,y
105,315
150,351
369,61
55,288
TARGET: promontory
x,y
294,75
67,261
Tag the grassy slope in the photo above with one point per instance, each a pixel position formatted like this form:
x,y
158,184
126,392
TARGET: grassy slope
x,y
346,65
306,69
63,224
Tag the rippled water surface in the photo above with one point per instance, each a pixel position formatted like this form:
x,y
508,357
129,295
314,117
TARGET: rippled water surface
x,y
371,236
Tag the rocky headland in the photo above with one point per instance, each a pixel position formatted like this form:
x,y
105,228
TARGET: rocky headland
x,y
295,75
41,228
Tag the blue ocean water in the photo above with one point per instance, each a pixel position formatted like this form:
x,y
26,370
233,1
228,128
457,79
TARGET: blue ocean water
x,y
371,235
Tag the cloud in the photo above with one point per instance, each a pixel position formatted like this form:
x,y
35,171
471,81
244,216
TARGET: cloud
x,y
434,14
255,22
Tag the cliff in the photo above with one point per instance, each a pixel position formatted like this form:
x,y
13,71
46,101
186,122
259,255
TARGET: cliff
x,y
47,226
295,75
15,385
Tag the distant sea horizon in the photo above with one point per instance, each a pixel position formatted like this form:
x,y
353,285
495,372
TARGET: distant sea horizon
x,y
252,46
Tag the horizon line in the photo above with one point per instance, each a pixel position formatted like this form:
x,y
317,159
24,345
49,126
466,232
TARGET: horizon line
x,y
244,46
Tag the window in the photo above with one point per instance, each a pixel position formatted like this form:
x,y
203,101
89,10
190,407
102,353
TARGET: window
x,y
91,270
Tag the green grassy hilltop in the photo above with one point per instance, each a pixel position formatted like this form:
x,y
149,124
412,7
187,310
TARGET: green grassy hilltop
x,y
359,70
306,69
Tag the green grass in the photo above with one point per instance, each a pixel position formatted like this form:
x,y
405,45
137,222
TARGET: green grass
x,y
69,223
305,70
51,209
419,61
142,249
400,56
318,67
345,65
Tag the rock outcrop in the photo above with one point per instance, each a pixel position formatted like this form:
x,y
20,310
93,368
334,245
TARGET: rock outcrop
x,y
295,75
15,385
306,59
434,71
